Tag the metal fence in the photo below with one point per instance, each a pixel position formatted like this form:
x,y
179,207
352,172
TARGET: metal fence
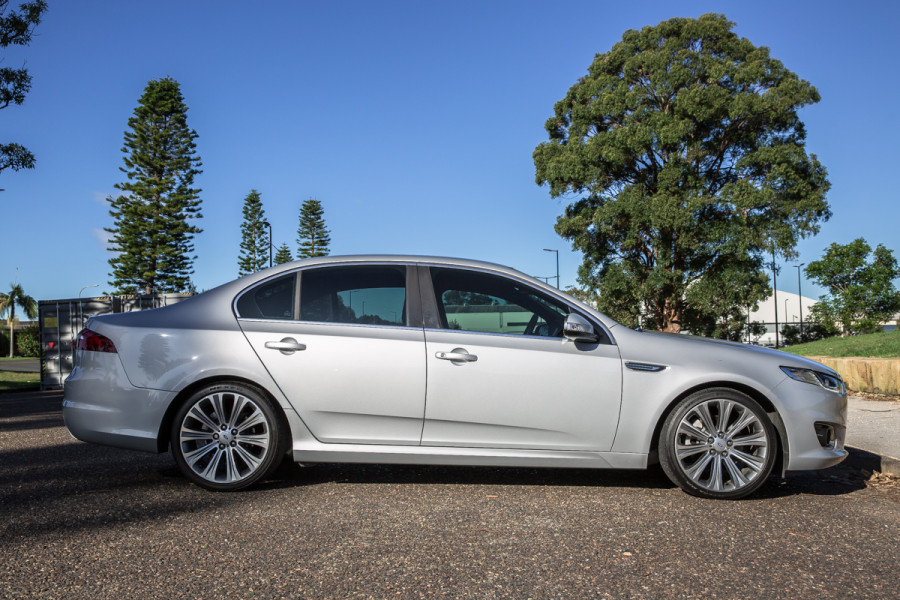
x,y
61,320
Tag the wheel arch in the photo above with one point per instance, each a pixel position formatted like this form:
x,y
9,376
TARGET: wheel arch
x,y
783,451
162,437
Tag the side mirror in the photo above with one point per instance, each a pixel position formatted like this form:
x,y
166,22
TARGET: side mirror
x,y
577,329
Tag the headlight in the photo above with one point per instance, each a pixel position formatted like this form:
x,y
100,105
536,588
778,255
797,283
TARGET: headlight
x,y
827,381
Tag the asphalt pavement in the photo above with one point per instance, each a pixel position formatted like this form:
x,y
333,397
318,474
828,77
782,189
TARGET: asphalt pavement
x,y
874,425
84,521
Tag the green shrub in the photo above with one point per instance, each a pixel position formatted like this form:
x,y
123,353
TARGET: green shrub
x,y
4,341
28,341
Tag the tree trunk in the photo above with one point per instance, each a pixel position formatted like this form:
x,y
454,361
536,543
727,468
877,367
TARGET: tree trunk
x,y
672,316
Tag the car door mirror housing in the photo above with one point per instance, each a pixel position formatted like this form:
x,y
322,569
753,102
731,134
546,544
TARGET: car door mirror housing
x,y
578,329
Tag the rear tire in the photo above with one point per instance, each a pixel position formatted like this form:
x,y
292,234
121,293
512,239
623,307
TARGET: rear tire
x,y
718,443
227,437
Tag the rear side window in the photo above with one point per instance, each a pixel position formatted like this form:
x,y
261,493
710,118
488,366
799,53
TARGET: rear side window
x,y
370,295
272,299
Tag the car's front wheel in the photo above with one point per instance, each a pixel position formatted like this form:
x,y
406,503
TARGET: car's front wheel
x,y
718,443
227,437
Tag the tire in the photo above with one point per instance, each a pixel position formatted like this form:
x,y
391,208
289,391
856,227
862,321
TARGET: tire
x,y
718,443
227,437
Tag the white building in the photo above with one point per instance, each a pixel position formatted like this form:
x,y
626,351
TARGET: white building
x,y
789,307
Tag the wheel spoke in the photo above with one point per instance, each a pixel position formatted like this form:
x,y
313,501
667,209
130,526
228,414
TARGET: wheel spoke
x,y
715,476
696,470
689,430
192,457
255,418
742,423
702,411
231,470
193,434
252,461
201,416
219,409
261,440
736,476
209,472
685,450
239,403
754,439
754,462
725,407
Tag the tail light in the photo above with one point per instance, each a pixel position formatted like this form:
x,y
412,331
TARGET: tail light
x,y
93,341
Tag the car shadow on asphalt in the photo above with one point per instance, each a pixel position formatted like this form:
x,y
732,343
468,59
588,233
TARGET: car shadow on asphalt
x,y
64,484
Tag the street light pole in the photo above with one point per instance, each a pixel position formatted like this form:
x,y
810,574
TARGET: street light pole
x,y
269,225
557,264
775,288
85,287
800,300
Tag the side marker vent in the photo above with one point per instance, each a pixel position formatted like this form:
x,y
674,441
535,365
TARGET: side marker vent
x,y
635,366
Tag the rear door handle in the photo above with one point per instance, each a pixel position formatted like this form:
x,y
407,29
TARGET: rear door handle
x,y
287,345
456,355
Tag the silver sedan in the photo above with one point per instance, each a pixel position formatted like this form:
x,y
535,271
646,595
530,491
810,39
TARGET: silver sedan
x,y
422,360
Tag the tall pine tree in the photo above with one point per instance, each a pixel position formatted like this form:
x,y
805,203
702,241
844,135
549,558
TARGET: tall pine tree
x,y
283,255
151,233
254,255
312,235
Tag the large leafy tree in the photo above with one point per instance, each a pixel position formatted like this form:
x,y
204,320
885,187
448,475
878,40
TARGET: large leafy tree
x,y
16,28
152,235
283,255
861,293
685,154
254,255
312,235
8,301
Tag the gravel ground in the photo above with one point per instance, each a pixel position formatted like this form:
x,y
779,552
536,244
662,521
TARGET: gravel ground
x,y
83,521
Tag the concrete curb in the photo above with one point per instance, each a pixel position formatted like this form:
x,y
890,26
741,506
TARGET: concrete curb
x,y
890,466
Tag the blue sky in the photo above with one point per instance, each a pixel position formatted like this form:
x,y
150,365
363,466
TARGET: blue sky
x,y
413,122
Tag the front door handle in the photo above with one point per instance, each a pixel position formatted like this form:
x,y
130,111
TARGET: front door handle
x,y
456,355
287,345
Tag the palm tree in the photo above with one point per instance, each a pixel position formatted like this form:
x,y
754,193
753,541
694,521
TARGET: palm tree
x,y
8,301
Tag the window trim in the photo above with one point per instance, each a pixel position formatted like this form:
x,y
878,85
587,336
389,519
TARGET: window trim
x,y
413,296
258,284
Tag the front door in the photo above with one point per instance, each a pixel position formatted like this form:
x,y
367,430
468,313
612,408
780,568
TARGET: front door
x,y
500,374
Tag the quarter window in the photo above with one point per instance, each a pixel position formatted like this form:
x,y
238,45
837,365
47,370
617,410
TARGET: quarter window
x,y
371,295
270,300
474,301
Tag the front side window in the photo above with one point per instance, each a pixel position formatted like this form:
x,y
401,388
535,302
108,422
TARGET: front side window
x,y
370,295
474,301
272,299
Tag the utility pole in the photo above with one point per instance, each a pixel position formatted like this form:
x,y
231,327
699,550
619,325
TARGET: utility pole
x,y
775,288
269,225
557,264
800,300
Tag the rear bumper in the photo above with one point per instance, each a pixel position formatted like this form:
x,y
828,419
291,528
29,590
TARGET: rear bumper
x,y
101,406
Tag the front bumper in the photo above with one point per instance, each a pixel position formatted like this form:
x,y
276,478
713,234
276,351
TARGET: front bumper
x,y
809,408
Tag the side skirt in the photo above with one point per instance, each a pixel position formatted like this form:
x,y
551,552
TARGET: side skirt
x,y
313,452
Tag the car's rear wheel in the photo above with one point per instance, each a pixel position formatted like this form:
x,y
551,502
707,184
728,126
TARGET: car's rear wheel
x,y
227,437
718,443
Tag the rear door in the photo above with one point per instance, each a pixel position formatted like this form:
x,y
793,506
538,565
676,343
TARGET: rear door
x,y
347,350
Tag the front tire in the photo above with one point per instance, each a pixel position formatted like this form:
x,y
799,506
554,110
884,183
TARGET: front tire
x,y
227,437
718,443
